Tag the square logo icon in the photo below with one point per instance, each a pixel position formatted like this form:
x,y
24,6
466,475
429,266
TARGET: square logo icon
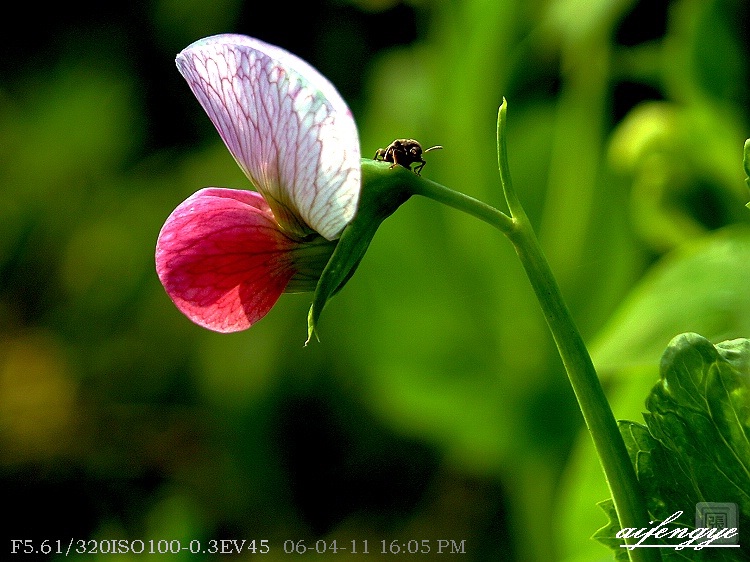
x,y
717,515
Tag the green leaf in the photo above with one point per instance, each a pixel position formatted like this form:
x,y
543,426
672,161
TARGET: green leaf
x,y
695,446
700,410
607,534
701,287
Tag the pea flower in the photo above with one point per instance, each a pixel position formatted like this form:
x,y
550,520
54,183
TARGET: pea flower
x,y
225,256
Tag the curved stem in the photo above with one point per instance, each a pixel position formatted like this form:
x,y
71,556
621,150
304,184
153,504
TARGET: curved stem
x,y
597,413
467,204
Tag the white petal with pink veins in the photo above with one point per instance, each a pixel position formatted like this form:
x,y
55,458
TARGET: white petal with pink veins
x,y
286,126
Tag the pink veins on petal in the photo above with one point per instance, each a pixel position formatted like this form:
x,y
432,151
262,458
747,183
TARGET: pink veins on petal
x,y
223,259
286,126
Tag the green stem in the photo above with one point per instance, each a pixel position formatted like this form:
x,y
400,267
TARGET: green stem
x,y
465,203
600,421
597,413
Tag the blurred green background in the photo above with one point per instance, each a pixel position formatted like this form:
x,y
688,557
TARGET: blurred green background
x,y
435,406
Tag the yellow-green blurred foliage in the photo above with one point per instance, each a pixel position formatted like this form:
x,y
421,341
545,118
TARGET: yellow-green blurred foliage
x,y
435,406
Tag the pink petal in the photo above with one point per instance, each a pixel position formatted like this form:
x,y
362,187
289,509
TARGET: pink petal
x,y
286,126
222,258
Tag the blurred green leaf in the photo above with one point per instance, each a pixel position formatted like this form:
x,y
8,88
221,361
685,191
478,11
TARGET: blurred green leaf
x,y
714,30
682,164
578,19
701,287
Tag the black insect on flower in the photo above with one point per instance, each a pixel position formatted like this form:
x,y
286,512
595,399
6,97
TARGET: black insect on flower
x,y
404,152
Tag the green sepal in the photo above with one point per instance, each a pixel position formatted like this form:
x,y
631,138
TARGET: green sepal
x,y
383,191
746,163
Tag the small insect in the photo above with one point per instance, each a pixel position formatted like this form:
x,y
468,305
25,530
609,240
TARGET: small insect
x,y
404,152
